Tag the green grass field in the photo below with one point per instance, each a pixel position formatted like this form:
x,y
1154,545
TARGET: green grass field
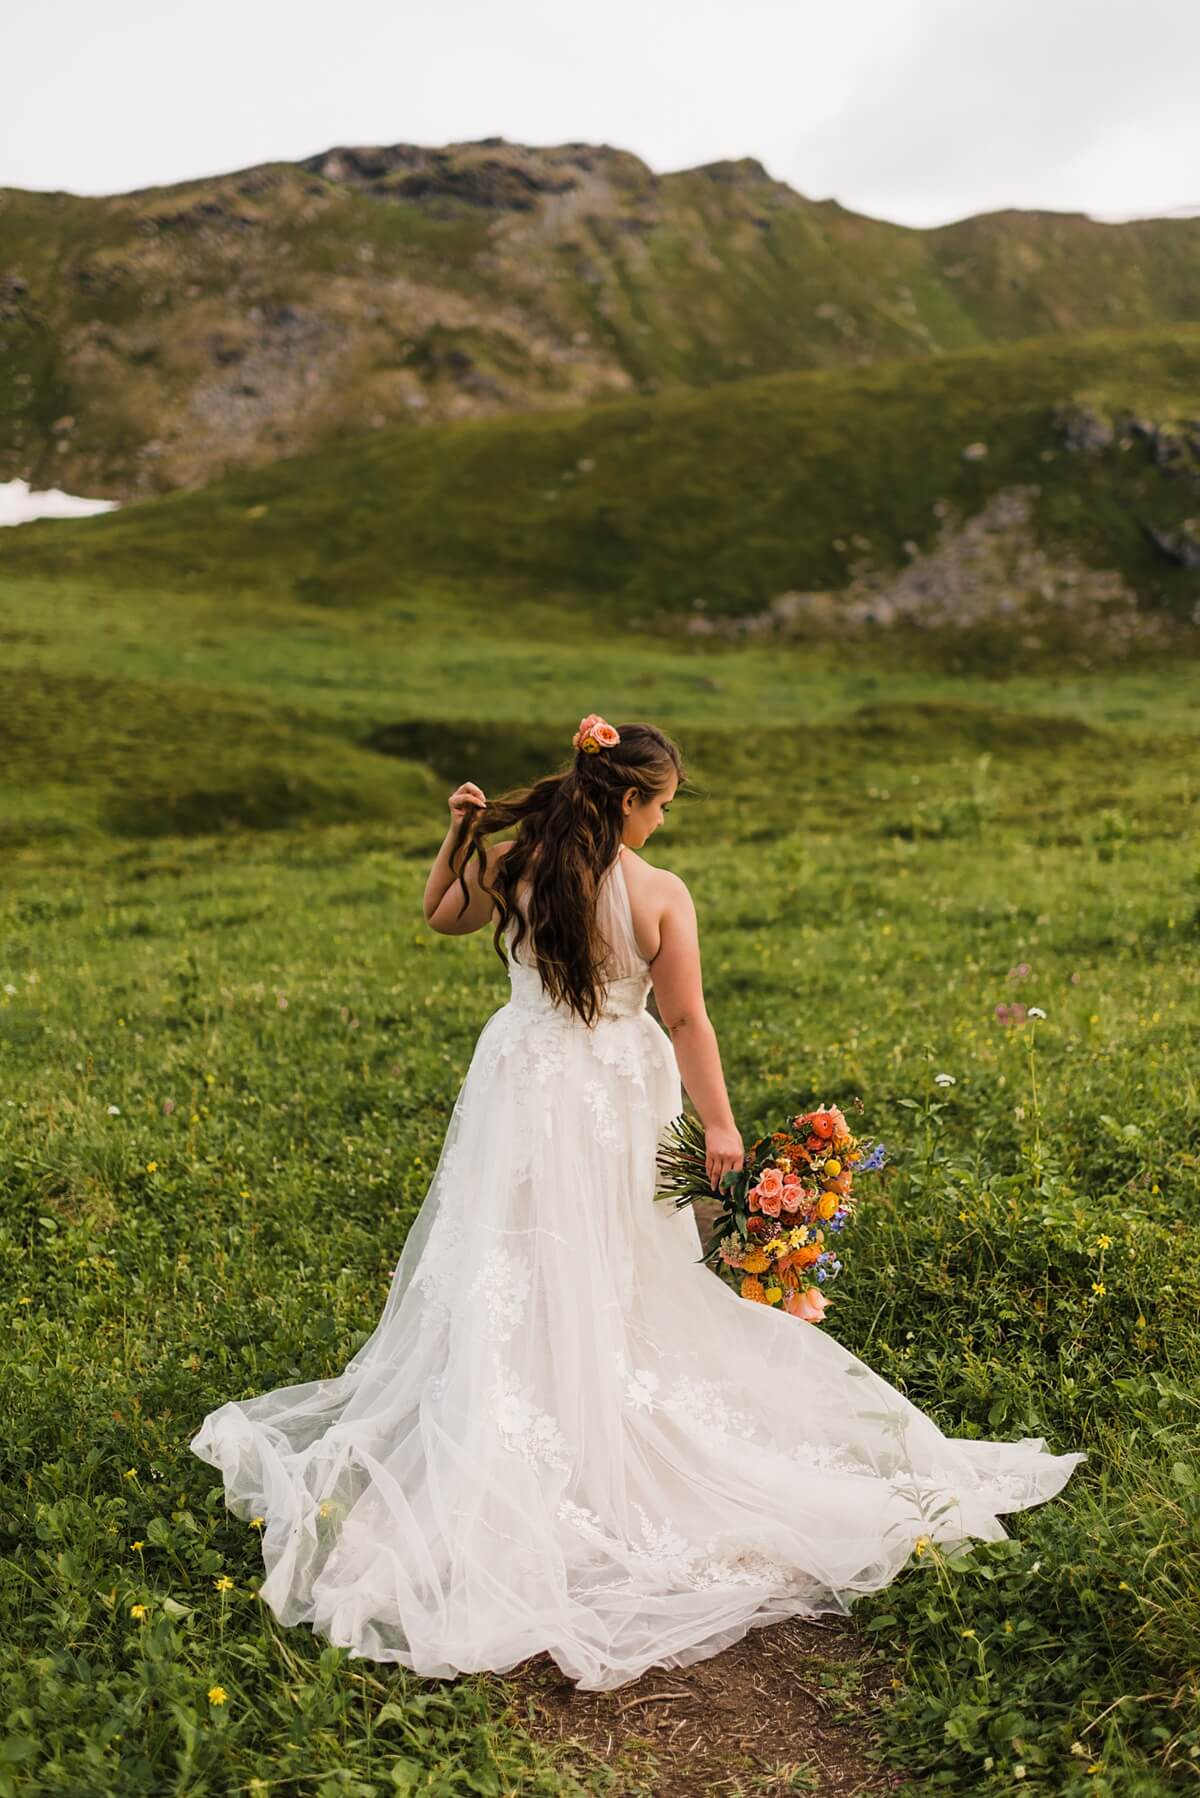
x,y
229,1046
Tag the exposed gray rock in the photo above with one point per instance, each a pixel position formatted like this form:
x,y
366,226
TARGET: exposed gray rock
x,y
985,568
1181,547
1083,429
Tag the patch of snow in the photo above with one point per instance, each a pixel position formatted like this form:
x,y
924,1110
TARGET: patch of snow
x,y
19,503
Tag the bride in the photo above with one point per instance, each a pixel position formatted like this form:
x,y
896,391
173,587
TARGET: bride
x,y
565,1433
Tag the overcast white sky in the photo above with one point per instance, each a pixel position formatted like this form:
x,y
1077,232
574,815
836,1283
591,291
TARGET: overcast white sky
x,y
920,111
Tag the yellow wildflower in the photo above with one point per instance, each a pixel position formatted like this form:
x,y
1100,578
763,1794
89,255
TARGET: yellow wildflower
x,y
1104,1242
256,1523
152,1167
217,1695
224,1584
969,1632
137,1610
921,1545
137,1545
324,1510
1098,1287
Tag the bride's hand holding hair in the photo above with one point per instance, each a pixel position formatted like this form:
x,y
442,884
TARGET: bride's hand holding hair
x,y
444,912
463,798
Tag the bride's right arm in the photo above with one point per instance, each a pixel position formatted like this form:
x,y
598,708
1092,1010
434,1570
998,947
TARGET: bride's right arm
x,y
679,996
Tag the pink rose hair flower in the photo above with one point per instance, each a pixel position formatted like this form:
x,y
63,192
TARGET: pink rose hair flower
x,y
595,733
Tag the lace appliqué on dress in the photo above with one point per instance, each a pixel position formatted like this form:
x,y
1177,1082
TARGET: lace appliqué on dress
x,y
503,1284
678,1562
604,1115
623,1050
707,1404
523,1427
640,1389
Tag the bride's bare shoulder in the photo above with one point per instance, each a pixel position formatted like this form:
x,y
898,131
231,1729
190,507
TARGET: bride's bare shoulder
x,y
659,889
650,874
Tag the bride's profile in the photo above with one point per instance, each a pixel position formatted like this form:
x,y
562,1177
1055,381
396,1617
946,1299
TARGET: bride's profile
x,y
565,1434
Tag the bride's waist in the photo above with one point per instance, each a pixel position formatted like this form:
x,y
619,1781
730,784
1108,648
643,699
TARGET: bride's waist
x,y
624,998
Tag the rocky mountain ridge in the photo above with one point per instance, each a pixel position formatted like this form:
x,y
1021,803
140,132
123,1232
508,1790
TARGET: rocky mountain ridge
x,y
153,340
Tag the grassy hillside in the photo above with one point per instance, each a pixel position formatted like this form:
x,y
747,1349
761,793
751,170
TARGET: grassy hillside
x,y
155,339
228,1056
717,502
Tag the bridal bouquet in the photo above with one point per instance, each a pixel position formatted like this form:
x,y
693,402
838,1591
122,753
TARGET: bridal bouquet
x,y
774,1238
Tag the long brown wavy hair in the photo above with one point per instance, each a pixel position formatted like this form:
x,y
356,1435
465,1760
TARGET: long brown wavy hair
x,y
568,831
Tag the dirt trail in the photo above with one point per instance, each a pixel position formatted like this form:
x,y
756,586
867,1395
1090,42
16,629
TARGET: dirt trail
x,y
690,1732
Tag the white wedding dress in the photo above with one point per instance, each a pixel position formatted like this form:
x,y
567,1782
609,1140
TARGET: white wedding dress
x,y
565,1432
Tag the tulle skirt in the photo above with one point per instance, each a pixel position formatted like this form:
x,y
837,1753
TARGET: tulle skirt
x,y
565,1433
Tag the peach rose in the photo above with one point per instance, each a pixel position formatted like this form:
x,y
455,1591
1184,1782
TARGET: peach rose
x,y
606,735
809,1305
793,1195
770,1181
771,1202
